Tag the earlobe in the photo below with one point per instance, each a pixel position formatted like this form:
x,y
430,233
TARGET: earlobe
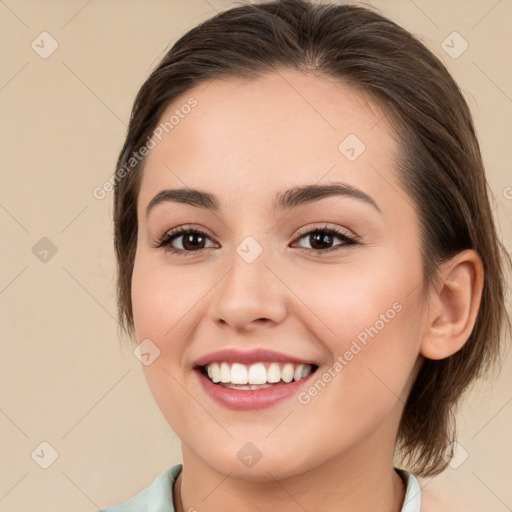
x,y
453,305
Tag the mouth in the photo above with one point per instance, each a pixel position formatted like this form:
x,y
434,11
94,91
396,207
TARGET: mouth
x,y
255,376
246,380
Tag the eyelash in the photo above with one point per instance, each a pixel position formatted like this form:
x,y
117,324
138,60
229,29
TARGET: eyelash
x,y
166,240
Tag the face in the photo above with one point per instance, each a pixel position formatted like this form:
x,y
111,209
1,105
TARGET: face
x,y
269,284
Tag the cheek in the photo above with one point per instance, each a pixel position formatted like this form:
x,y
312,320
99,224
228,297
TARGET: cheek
x,y
163,309
370,322
353,302
161,298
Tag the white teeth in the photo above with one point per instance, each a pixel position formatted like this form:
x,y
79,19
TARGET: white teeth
x,y
287,373
238,374
306,370
215,373
256,375
225,372
273,373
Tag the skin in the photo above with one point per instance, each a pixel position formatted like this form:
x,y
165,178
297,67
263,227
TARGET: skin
x,y
246,141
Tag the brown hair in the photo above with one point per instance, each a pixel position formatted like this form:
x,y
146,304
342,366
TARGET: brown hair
x,y
440,166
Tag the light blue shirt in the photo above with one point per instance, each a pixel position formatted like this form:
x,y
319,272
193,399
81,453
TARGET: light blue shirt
x,y
157,497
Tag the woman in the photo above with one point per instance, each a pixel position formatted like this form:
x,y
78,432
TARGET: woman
x,y
307,260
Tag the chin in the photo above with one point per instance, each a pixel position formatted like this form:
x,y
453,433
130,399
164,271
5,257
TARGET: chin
x,y
262,471
248,463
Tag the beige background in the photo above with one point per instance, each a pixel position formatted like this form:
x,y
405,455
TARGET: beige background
x,y
65,378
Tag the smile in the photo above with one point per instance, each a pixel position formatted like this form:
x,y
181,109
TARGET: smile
x,y
259,375
243,380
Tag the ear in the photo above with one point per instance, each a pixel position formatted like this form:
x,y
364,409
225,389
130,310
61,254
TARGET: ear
x,y
453,305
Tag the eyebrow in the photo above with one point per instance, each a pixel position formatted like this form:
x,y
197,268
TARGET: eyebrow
x,y
292,198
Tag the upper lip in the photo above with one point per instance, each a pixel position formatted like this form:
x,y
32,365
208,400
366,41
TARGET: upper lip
x,y
249,356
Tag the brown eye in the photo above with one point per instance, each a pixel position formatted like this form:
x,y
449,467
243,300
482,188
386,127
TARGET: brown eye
x,y
319,240
192,241
322,239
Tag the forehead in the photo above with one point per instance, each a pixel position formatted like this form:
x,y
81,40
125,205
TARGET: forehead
x,y
282,129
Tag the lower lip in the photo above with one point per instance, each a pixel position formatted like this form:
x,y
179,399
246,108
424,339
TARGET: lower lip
x,y
250,399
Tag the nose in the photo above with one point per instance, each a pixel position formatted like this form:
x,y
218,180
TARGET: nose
x,y
251,296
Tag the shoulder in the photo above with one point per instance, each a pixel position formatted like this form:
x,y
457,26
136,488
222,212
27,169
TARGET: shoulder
x,y
412,501
157,496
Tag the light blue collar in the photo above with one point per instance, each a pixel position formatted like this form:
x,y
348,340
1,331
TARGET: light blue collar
x,y
412,501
